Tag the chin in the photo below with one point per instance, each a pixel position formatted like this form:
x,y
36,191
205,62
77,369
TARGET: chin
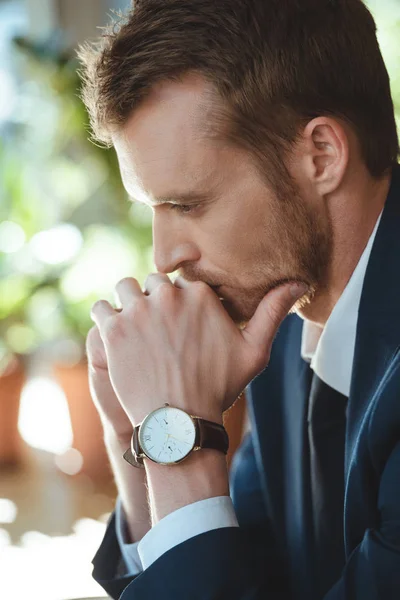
x,y
242,312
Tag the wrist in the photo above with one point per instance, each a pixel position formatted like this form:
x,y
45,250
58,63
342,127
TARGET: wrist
x,y
120,439
204,474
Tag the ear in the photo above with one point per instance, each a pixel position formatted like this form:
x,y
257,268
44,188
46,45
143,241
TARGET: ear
x,y
326,154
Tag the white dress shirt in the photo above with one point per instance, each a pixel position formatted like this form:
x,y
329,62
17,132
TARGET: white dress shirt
x,y
330,351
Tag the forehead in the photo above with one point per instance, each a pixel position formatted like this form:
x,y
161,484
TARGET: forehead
x,y
167,140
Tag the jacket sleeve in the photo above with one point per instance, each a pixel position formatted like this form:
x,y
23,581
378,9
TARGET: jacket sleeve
x,y
240,563
110,569
373,569
234,563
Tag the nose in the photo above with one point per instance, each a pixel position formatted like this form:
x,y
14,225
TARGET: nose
x,y
172,245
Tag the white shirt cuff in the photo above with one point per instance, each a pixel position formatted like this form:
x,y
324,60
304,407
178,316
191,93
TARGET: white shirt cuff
x,y
185,523
129,550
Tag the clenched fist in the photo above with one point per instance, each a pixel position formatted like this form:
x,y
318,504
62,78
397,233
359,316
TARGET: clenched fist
x,y
177,344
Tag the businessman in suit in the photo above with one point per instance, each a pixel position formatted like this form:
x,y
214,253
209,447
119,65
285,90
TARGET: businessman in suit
x,y
262,135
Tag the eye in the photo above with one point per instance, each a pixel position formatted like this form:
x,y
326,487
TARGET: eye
x,y
183,208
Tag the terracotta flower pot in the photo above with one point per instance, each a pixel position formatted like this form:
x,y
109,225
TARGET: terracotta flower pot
x,y
86,425
12,381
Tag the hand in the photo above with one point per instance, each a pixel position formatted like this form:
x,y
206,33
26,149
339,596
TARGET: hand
x,y
111,412
118,432
178,345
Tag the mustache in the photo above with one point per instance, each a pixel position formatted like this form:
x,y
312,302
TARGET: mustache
x,y
262,288
193,275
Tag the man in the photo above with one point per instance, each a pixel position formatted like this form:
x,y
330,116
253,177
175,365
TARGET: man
x,y
262,135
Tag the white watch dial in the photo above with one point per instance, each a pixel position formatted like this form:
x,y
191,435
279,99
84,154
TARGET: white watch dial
x,y
167,435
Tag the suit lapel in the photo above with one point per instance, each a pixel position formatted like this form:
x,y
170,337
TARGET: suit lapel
x,y
378,327
377,344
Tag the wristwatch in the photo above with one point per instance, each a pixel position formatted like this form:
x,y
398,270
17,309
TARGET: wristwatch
x,y
168,435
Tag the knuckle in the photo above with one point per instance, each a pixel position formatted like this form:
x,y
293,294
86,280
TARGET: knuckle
x,y
140,307
149,277
165,291
98,304
123,281
134,312
113,329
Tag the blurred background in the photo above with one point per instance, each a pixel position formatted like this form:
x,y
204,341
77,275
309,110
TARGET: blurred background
x,y
68,233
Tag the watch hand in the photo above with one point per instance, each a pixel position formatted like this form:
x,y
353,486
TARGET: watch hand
x,y
177,439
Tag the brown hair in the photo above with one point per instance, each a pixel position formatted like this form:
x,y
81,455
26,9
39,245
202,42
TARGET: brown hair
x,y
274,65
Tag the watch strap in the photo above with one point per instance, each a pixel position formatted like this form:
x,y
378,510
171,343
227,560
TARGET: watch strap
x,y
211,435
132,455
128,456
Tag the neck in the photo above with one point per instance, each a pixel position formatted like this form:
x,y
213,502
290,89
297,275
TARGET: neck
x,y
353,212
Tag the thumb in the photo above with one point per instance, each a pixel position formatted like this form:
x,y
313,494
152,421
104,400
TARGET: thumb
x,y
273,308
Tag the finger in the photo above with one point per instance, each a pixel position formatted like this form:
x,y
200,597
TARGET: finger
x,y
95,350
271,311
181,283
154,280
101,310
127,290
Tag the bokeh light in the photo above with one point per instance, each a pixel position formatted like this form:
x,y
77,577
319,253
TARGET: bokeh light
x,y
57,245
12,236
8,511
44,418
7,96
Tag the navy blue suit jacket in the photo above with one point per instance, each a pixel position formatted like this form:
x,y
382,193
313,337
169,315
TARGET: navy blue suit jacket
x,y
270,556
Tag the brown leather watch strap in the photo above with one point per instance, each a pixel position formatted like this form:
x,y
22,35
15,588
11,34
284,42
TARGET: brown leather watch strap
x,y
128,456
131,457
211,435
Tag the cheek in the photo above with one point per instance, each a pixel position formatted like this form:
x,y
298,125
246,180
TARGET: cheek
x,y
237,243
231,253
246,243
240,233
241,258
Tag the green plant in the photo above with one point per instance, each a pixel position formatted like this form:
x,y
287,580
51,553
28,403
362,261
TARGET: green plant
x,y
69,231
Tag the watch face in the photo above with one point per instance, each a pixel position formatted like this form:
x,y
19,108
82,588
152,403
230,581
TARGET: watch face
x,y
167,435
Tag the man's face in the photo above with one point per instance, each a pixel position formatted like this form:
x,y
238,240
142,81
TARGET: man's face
x,y
214,217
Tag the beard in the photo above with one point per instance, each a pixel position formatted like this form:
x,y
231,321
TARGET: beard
x,y
299,249
241,304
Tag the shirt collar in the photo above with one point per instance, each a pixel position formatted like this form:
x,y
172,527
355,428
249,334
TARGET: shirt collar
x,y
330,349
